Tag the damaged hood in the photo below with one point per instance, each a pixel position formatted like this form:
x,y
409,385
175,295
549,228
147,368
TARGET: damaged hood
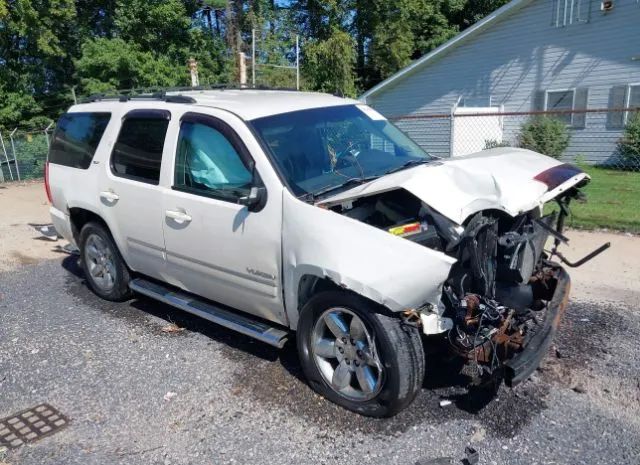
x,y
509,179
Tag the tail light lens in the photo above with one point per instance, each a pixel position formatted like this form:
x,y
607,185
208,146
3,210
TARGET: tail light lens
x,y
46,182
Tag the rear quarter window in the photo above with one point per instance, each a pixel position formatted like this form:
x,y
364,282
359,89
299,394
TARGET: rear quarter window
x,y
76,138
137,154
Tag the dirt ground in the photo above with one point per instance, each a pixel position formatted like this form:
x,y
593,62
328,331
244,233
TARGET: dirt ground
x,y
613,276
23,208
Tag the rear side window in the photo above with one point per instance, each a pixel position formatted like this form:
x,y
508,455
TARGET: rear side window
x,y
137,153
76,138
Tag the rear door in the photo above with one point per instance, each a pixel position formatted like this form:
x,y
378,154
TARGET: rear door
x,y
130,195
216,247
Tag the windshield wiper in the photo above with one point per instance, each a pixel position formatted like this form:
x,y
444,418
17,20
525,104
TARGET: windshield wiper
x,y
409,164
348,183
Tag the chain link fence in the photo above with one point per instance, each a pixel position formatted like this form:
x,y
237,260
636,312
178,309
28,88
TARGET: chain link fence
x,y
23,154
601,137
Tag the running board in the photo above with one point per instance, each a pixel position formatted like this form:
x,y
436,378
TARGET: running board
x,y
243,324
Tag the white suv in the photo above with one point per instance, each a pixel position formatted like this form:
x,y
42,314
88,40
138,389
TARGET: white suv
x,y
270,212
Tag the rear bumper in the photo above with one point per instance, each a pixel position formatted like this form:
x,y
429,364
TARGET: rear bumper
x,y
62,223
520,367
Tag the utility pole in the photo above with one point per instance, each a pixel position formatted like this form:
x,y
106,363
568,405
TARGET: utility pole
x,y
253,57
73,94
242,61
297,62
193,69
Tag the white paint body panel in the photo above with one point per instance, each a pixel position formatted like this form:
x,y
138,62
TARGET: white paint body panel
x,y
387,269
498,179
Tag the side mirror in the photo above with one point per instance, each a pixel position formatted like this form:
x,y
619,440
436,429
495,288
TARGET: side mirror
x,y
255,200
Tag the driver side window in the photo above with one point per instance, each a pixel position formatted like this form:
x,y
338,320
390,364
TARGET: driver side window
x,y
208,164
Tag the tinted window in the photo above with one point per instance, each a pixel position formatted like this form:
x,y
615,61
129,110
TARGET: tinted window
x,y
207,163
76,138
138,151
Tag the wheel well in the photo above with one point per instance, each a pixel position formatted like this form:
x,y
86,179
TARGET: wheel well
x,y
310,285
79,217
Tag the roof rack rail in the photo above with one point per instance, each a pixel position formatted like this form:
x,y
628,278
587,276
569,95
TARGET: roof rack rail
x,y
154,96
160,93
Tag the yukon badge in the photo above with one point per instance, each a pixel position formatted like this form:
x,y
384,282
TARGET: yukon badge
x,y
260,274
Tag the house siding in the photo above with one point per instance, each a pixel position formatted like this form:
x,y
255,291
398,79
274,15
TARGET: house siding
x,y
514,56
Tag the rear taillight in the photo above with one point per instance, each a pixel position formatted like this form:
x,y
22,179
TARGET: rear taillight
x,y
46,182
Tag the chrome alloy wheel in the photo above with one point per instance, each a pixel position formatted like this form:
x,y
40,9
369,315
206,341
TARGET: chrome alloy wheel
x,y
346,355
99,262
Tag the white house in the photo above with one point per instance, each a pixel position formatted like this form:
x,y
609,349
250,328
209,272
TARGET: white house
x,y
529,55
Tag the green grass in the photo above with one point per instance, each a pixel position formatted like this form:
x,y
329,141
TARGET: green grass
x,y
613,201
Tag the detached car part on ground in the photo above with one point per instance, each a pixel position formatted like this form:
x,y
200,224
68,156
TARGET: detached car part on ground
x,y
333,224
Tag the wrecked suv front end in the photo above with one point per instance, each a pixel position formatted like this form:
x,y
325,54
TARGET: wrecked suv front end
x,y
504,296
382,241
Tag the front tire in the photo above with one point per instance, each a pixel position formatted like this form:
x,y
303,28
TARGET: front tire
x,y
106,273
359,356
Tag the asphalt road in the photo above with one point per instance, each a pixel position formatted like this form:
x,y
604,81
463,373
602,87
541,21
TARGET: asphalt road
x,y
109,367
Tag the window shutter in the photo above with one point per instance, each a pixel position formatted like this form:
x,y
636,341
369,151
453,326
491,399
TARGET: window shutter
x,y
617,100
538,100
580,103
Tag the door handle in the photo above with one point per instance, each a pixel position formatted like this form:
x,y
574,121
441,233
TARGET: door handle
x,y
109,196
180,217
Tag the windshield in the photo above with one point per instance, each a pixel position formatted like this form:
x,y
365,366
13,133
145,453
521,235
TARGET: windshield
x,y
322,149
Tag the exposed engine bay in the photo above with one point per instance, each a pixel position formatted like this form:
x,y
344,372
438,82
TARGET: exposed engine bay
x,y
497,293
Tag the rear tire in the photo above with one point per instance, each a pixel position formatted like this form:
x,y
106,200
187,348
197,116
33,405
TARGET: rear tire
x,y
359,356
106,273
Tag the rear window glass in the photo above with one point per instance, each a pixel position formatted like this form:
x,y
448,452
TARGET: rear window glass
x,y
137,153
76,138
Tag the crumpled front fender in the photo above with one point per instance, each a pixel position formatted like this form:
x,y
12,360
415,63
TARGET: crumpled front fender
x,y
387,269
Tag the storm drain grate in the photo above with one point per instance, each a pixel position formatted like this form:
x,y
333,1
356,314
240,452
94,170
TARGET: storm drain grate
x,y
30,425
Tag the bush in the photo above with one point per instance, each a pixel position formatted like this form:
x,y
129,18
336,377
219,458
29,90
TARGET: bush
x,y
548,136
629,144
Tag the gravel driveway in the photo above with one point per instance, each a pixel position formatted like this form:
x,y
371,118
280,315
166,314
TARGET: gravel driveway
x,y
109,367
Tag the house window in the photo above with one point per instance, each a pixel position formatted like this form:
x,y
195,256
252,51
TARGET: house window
x,y
560,100
567,12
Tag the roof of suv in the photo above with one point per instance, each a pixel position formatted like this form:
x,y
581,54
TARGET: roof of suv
x,y
250,103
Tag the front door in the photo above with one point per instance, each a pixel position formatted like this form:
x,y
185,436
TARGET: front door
x,y
216,247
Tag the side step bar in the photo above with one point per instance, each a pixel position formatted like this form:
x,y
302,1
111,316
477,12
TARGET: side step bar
x,y
243,324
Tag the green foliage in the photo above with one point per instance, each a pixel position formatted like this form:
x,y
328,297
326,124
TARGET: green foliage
x,y
329,64
155,25
629,144
49,47
110,64
545,135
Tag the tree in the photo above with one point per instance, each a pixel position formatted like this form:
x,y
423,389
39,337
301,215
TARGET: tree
x,y
160,26
329,64
35,42
463,13
110,64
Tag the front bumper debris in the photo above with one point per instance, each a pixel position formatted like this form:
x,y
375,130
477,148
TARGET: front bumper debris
x,y
525,362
